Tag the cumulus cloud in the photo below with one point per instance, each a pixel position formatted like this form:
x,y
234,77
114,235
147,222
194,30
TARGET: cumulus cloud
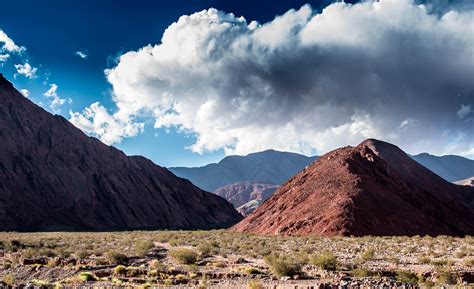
x,y
56,101
26,70
81,54
97,121
8,44
306,81
25,92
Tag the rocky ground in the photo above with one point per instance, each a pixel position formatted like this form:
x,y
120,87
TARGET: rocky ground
x,y
220,259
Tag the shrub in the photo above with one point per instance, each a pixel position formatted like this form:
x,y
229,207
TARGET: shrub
x,y
368,255
253,284
440,262
120,270
184,256
326,261
361,272
424,260
282,266
407,277
143,246
117,258
82,254
251,271
205,248
445,277
87,277
9,279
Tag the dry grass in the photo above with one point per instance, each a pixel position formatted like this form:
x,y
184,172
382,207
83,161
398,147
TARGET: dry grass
x,y
188,257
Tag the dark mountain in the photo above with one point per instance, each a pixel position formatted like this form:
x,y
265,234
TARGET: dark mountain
x,y
54,177
268,166
452,168
372,189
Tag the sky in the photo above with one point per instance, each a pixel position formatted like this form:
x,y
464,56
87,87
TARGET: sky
x,y
185,83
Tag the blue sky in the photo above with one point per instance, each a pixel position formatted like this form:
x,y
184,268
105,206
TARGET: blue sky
x,y
53,31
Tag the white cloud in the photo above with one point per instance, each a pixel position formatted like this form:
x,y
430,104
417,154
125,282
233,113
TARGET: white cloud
x,y
8,44
56,101
4,58
26,70
108,128
81,54
464,111
25,92
304,81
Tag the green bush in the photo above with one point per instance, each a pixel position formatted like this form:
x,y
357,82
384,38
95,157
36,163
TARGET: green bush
x,y
283,266
87,277
120,270
407,277
326,261
142,247
184,256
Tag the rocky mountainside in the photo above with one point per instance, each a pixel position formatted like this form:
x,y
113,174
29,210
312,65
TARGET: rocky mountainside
x,y
241,193
450,167
268,166
54,177
372,189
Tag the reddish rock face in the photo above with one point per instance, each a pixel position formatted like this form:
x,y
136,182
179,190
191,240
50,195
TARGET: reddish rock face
x,y
54,177
241,193
371,189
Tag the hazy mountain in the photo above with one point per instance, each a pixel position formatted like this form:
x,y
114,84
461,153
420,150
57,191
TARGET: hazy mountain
x,y
269,166
54,177
452,168
372,189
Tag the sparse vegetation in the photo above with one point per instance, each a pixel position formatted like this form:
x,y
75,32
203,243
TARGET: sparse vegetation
x,y
192,257
142,247
283,265
184,256
325,260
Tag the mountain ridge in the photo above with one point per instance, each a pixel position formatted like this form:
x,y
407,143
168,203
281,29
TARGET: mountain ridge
x,y
54,177
357,191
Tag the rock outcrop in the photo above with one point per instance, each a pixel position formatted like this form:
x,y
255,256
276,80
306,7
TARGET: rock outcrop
x,y
248,195
372,189
54,177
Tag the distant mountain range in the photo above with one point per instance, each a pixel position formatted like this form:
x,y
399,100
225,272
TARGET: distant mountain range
x,y
450,167
269,166
230,177
372,189
54,177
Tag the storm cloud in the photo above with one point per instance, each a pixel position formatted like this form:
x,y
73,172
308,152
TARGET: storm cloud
x,y
306,82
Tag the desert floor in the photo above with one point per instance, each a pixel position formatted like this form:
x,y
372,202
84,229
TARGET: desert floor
x,y
219,259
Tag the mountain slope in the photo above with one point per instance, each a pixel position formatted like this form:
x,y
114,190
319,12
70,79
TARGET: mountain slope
x,y
268,166
54,177
241,193
452,168
371,189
